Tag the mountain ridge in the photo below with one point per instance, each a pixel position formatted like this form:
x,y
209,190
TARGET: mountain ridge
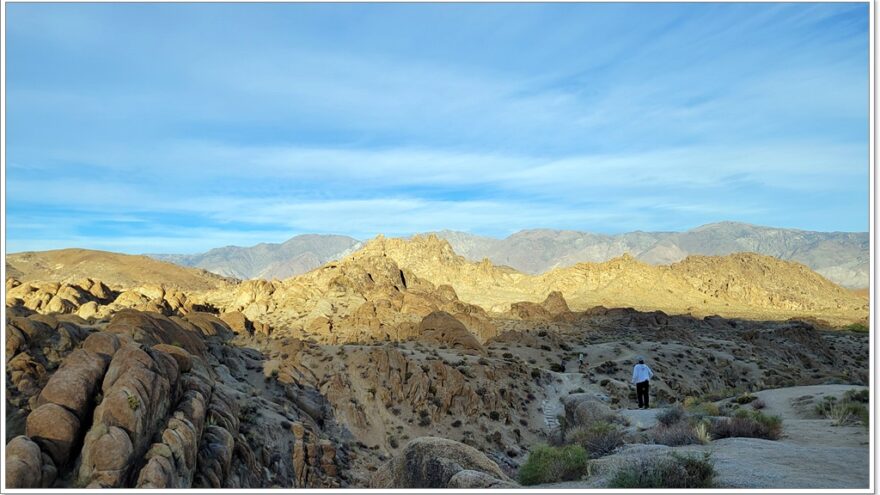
x,y
842,257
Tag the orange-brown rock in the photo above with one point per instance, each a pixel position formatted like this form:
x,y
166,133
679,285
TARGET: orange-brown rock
x,y
441,328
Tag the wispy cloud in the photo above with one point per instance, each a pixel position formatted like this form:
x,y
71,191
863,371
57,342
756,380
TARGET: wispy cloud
x,y
141,125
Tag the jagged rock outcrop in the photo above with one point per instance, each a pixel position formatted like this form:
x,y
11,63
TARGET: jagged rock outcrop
x,y
314,459
553,308
431,462
153,401
154,328
441,328
138,389
92,299
364,297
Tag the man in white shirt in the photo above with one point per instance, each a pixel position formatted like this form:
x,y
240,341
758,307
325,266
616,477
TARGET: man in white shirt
x,y
641,377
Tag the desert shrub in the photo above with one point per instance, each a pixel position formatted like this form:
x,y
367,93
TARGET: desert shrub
x,y
672,471
745,398
701,430
671,415
547,464
839,415
599,438
701,407
846,411
824,406
857,327
752,424
759,404
557,368
494,415
863,395
680,433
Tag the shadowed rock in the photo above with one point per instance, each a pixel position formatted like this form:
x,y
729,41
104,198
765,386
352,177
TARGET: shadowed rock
x,y
430,462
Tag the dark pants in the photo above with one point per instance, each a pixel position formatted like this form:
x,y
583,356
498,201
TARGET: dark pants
x,y
642,393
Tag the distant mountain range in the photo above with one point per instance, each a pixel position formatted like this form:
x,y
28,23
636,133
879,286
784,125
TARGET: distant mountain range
x,y
842,257
295,256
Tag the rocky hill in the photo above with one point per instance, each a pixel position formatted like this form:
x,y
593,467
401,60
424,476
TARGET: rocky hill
x,y
206,400
402,364
744,284
114,269
365,296
840,256
295,256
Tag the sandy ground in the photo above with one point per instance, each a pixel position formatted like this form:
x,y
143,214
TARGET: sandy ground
x,y
811,454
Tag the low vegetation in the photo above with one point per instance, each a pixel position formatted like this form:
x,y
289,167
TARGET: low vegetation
x,y
857,327
681,433
671,415
676,427
599,438
745,423
672,471
701,407
850,410
547,464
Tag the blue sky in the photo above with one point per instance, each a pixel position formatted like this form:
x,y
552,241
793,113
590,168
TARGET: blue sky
x,y
182,127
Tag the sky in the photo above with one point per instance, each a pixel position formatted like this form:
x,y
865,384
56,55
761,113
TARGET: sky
x,y
176,128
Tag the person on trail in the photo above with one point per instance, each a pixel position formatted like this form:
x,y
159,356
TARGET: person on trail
x,y
641,377
581,363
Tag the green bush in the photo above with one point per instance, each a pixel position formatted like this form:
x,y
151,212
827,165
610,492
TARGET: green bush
x,y
848,411
670,415
745,398
857,327
672,471
680,433
599,438
701,407
745,423
854,395
547,464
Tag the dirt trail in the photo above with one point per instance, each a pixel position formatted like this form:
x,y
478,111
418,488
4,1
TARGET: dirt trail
x,y
561,385
811,454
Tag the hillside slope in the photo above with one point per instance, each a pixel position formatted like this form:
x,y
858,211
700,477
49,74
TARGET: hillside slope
x,y
842,257
743,284
114,269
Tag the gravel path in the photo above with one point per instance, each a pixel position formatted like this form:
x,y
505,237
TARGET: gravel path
x,y
811,454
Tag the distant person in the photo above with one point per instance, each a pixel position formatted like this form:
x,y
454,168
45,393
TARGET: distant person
x,y
581,362
641,377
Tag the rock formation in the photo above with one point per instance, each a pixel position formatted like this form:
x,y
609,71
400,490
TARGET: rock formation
x,y
430,462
